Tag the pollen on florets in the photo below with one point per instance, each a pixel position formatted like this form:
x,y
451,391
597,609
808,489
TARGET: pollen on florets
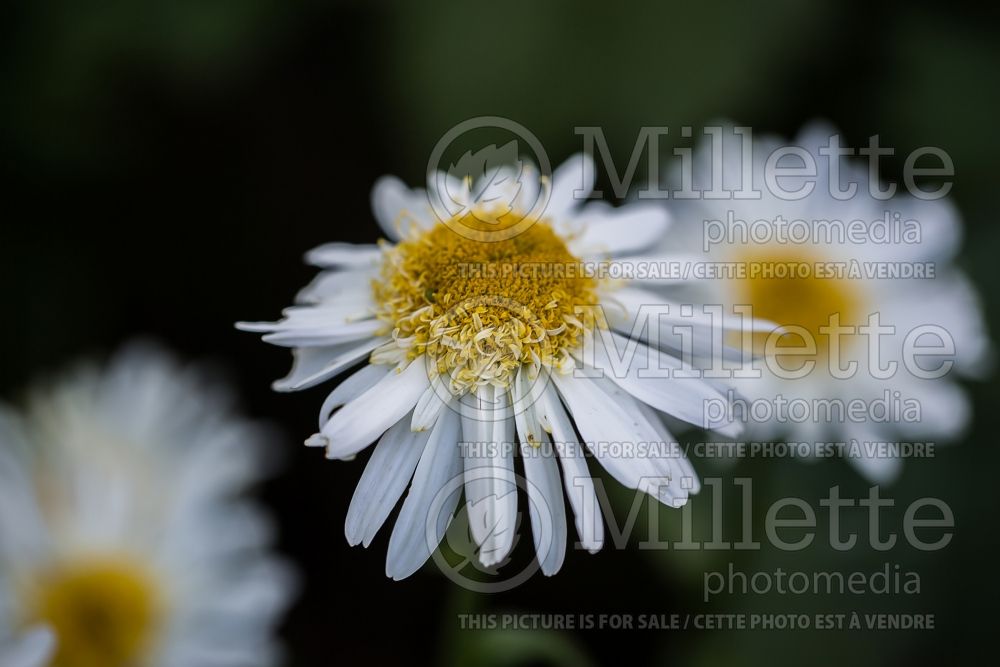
x,y
479,309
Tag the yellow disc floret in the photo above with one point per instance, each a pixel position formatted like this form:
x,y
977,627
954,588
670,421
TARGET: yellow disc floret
x,y
104,612
804,304
479,309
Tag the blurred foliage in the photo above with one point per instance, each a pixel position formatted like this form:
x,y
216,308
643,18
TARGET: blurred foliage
x,y
65,61
555,65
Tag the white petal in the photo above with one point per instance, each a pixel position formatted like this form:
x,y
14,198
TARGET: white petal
x,y
340,287
681,468
356,384
647,374
436,488
490,489
877,469
360,422
34,649
629,229
21,521
572,183
545,506
603,414
325,334
385,478
626,303
527,197
397,208
344,254
526,393
429,406
576,477
314,365
498,186
311,317
945,411
451,195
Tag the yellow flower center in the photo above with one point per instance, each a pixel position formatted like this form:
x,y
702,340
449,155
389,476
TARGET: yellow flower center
x,y
800,302
480,308
103,612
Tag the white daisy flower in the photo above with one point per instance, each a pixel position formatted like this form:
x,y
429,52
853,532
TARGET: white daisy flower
x,y
784,232
122,528
471,334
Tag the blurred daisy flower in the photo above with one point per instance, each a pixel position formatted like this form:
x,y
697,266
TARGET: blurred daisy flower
x,y
472,322
828,249
122,527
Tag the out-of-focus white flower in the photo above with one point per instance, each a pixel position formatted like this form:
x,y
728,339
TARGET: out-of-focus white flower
x,y
851,276
471,328
122,526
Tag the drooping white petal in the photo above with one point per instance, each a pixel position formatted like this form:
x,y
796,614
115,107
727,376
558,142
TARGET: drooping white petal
x,y
490,489
314,365
681,469
360,422
353,386
589,401
526,391
576,477
648,375
385,478
430,405
310,318
431,501
324,334
545,505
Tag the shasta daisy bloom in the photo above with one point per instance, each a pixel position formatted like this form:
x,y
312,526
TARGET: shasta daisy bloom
x,y
806,270
122,527
470,330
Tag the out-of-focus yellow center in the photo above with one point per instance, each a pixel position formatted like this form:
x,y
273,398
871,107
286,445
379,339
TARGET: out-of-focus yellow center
x,y
795,300
104,612
480,308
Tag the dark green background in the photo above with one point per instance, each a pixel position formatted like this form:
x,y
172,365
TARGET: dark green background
x,y
165,165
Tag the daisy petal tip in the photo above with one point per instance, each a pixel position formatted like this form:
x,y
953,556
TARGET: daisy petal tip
x,y
489,560
317,440
253,327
